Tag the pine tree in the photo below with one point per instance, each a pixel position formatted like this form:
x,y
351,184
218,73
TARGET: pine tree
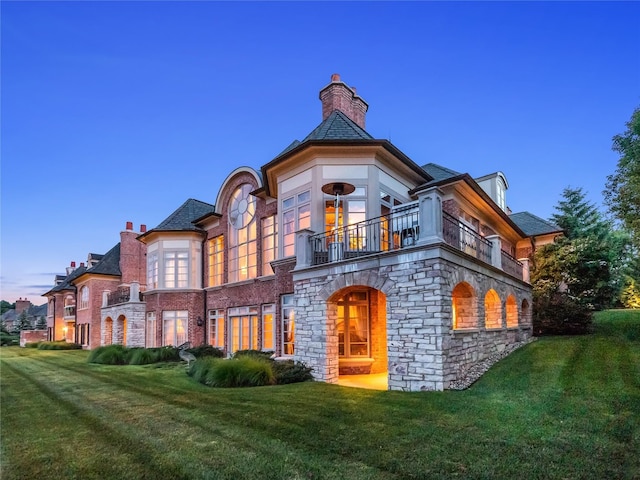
x,y
23,322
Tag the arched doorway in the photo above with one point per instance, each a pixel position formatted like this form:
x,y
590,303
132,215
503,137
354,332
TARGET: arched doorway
x,y
107,334
121,331
492,310
464,307
360,318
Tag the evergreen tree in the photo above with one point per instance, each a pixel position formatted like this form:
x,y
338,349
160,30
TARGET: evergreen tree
x,y
590,252
42,323
23,322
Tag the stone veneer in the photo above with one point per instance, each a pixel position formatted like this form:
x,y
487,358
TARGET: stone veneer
x,y
130,315
424,352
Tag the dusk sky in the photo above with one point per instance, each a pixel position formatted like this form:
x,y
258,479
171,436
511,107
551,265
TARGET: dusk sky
x,y
120,111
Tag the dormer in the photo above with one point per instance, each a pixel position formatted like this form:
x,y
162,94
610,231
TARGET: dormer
x,y
495,185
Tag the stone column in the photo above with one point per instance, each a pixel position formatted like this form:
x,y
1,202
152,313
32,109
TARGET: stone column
x,y
526,273
134,292
496,250
304,249
430,214
105,298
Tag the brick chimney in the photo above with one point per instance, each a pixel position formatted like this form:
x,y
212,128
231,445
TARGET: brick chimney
x,y
339,96
132,256
71,268
22,305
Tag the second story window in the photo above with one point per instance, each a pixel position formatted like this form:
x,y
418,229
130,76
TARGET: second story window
x,y
216,261
269,243
152,270
176,269
243,255
296,215
84,297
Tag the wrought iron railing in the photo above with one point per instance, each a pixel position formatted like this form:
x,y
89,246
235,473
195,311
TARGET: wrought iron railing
x,y
69,311
459,236
511,266
385,233
121,295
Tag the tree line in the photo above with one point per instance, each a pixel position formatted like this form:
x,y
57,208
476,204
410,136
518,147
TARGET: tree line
x,y
596,263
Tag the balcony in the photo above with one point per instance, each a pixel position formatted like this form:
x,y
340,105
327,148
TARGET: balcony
x,y
70,312
406,227
122,295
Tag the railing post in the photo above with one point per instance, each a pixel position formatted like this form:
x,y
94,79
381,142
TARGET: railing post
x,y
496,250
430,208
526,274
105,298
303,248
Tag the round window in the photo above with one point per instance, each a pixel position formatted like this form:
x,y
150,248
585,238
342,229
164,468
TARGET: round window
x,y
242,207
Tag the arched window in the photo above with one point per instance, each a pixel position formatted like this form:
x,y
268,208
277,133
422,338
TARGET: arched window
x,y
492,310
525,312
464,306
84,297
243,255
512,312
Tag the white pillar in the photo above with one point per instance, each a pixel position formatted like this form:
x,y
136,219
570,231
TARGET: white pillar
x,y
304,249
526,273
430,205
105,298
496,250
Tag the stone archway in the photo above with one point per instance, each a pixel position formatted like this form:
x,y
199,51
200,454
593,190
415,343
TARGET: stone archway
x,y
107,331
120,331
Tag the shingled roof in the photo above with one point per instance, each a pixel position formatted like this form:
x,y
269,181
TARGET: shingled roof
x,y
534,225
438,172
109,264
182,219
338,126
66,284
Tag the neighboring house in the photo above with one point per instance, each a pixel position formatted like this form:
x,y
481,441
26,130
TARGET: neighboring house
x,y
77,300
341,252
10,318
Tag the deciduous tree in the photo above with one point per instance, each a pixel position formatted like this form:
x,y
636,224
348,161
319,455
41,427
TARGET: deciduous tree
x,y
622,195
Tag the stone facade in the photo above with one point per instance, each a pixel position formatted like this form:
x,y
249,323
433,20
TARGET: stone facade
x,y
424,350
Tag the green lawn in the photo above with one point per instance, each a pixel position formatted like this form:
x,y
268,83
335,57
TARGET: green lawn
x,y
559,408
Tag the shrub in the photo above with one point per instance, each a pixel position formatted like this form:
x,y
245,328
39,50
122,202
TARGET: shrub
x,y
234,372
201,367
31,344
141,356
559,314
109,355
166,354
288,371
58,345
253,354
206,351
8,339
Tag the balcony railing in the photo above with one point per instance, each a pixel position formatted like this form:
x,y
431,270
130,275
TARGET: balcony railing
x,y
121,295
401,229
69,311
511,266
380,234
458,235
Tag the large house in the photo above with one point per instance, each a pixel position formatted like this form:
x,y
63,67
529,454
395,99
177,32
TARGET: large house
x,y
341,252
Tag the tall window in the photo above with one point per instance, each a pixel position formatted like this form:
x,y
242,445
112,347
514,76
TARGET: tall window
x,y
353,325
296,216
176,269
288,325
216,328
268,331
243,257
243,323
269,243
152,270
150,331
216,261
84,297
174,327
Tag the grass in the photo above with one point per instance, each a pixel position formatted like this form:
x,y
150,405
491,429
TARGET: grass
x,y
559,408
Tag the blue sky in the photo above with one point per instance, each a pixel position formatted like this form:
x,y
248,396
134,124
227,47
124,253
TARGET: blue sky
x,y
119,111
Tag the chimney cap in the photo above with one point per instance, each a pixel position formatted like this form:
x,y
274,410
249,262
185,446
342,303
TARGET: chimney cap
x,y
335,78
